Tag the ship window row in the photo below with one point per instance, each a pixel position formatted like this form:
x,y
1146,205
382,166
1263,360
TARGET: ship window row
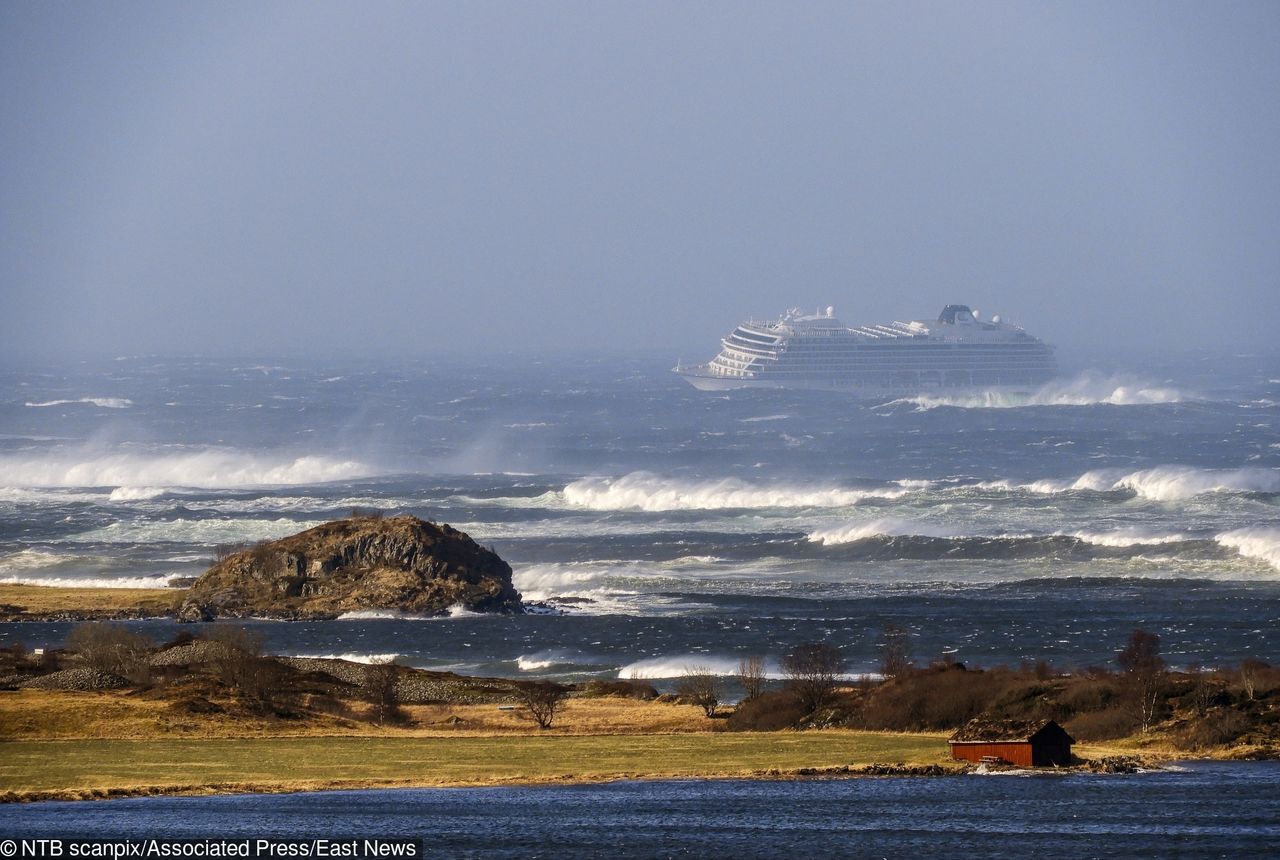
x,y
753,337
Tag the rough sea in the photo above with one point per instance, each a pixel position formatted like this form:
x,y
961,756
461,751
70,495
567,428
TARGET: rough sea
x,y
667,526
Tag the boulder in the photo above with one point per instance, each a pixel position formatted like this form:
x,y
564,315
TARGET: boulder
x,y
362,563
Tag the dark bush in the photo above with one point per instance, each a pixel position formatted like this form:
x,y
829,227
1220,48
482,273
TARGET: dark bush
x,y
1105,725
112,648
768,712
1220,727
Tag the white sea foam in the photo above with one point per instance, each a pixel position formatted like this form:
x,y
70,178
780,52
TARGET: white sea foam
x,y
383,615
135,494
677,665
539,660
159,581
207,532
570,579
856,531
1260,543
724,666
352,657
207,468
1130,536
649,492
33,559
762,418
1161,483
100,402
1087,389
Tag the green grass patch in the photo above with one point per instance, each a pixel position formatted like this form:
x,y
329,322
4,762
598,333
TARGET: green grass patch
x,y
83,765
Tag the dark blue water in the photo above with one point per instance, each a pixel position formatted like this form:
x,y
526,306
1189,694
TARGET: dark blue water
x,y
1205,810
672,525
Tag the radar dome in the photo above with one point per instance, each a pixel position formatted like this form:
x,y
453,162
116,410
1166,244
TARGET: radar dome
x,y
996,319
831,310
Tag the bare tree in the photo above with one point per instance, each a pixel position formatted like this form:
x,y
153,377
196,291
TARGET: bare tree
x,y
895,651
231,651
112,648
1250,669
380,689
813,670
235,654
1141,660
542,699
751,676
698,686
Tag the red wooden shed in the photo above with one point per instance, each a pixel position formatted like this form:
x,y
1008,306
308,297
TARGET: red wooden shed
x,y
1029,743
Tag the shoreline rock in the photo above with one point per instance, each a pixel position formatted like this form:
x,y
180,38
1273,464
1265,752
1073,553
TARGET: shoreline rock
x,y
359,564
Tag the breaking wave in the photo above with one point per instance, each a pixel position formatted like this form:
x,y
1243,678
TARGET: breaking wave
x,y
1130,536
677,665
645,491
648,492
1087,389
100,402
206,532
1259,543
351,657
854,532
1161,483
210,468
159,581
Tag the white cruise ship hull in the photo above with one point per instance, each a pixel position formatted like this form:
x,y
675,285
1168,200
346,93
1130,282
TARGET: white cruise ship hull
x,y
958,354
715,383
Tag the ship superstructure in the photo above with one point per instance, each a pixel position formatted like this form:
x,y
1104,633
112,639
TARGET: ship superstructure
x,y
959,350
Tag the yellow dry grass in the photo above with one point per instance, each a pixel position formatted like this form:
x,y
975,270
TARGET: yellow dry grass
x,y
48,714
74,745
77,768
43,599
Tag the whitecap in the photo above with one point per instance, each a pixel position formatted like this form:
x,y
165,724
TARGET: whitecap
x,y
861,530
159,581
1086,389
646,491
100,402
351,657
207,468
1260,543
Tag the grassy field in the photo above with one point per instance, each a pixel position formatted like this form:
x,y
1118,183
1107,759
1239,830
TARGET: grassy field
x,y
87,768
123,715
42,600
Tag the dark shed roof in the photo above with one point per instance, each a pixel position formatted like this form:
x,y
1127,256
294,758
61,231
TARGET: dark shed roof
x,y
986,730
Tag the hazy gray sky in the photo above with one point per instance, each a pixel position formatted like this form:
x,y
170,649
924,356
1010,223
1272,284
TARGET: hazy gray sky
x,y
385,177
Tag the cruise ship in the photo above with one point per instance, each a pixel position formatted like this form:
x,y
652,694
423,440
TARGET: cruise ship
x,y
957,351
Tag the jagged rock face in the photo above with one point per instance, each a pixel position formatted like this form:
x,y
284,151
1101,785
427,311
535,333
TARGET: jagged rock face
x,y
400,563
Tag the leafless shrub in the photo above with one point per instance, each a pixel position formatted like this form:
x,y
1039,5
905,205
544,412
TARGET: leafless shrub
x,y
1103,725
813,671
1142,663
751,676
1250,672
112,648
224,551
542,699
261,683
380,690
1218,728
895,651
698,686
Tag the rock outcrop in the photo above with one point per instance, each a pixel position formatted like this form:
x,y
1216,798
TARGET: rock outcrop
x,y
363,563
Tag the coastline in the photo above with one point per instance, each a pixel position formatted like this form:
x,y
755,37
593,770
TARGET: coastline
x,y
150,768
